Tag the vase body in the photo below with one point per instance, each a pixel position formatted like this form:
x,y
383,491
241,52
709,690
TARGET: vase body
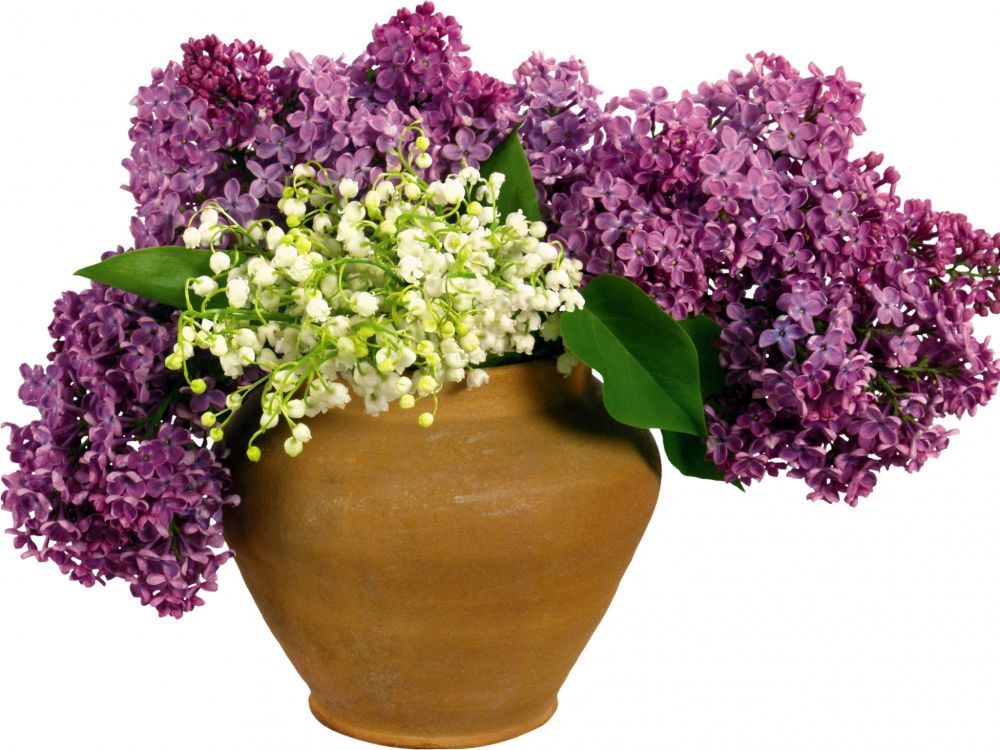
x,y
433,587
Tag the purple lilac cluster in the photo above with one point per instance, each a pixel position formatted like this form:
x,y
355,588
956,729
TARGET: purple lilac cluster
x,y
113,480
220,126
561,117
846,313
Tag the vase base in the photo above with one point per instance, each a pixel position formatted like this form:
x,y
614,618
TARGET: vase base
x,y
393,739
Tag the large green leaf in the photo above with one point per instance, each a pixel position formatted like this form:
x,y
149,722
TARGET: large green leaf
x,y
157,273
704,333
649,364
518,191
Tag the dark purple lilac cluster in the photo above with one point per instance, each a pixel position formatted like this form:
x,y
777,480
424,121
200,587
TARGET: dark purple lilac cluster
x,y
219,126
113,480
846,314
231,79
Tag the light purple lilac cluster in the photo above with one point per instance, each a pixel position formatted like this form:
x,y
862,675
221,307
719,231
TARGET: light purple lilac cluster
x,y
113,480
846,313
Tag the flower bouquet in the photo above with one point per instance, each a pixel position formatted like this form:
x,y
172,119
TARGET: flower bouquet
x,y
396,274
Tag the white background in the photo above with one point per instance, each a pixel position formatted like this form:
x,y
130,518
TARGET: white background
x,y
745,621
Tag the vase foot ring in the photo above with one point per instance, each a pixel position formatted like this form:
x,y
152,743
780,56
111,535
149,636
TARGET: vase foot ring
x,y
392,739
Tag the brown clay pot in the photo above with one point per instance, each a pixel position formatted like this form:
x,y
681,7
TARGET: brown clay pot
x,y
433,587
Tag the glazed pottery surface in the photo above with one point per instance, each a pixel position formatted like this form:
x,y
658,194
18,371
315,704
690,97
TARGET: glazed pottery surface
x,y
434,586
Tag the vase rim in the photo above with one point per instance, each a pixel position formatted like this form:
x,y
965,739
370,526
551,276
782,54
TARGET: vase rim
x,y
519,387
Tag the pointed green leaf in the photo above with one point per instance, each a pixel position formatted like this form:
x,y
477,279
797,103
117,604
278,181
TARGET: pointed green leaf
x,y
518,191
157,273
689,453
649,365
689,456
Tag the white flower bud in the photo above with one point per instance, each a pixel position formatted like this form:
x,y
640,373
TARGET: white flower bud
x,y
204,286
267,359
427,384
293,446
518,223
219,262
352,214
274,236
348,188
345,345
547,252
566,362
477,378
238,292
191,237
209,218
496,181
301,270
265,276
411,191
293,207
246,337
318,309
454,191
469,342
285,255
219,346
524,343
557,279
365,304
231,364
322,224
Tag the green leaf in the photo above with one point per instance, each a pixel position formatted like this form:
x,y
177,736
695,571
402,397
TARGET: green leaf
x,y
157,273
518,191
649,364
689,453
704,333
689,456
